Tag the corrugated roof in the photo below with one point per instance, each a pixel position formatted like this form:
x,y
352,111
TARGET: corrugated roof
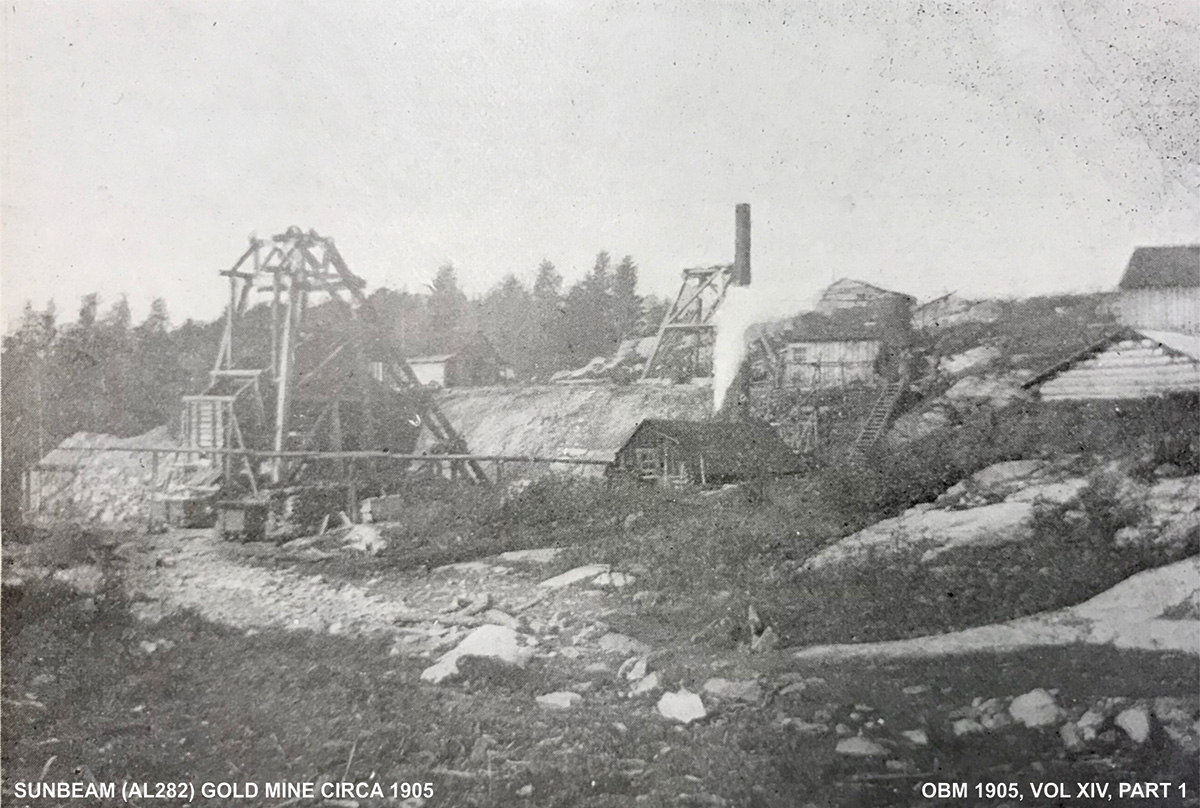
x,y
731,449
1163,267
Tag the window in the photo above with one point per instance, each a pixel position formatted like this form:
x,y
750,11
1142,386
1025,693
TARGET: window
x,y
648,461
799,354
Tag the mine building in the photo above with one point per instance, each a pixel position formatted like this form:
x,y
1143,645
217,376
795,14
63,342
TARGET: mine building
x,y
704,452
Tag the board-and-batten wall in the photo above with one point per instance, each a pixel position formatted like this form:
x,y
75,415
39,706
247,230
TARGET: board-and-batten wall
x,y
831,364
1176,308
1126,369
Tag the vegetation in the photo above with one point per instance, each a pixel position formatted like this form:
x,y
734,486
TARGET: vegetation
x,y
103,373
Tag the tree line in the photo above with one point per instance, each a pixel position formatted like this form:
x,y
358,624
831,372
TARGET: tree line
x,y
102,372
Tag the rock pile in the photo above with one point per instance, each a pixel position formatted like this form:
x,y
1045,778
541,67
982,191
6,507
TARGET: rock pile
x,y
107,487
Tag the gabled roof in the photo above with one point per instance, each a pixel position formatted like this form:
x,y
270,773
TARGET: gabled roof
x,y
436,359
844,325
731,449
1162,267
850,283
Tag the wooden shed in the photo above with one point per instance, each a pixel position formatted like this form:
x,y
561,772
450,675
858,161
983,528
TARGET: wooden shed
x,y
704,452
844,347
1160,289
476,364
1129,364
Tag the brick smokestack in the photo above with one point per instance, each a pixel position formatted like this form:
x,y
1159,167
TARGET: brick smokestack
x,y
741,246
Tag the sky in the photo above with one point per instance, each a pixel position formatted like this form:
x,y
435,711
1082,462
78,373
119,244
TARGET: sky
x,y
994,148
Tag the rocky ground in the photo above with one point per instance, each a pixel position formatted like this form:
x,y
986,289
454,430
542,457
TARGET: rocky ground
x,y
528,658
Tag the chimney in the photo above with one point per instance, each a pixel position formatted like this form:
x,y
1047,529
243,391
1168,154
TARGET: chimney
x,y
741,246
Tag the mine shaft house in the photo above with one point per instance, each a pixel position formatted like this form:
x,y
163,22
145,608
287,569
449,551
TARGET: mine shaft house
x,y
704,452
856,334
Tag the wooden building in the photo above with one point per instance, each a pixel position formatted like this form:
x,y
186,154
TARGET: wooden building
x,y
476,364
1130,364
1160,289
704,452
847,294
848,346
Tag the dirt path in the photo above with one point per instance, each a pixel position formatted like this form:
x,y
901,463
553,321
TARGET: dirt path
x,y
190,569
1130,616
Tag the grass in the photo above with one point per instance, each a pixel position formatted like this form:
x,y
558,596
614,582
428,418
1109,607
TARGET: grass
x,y
223,706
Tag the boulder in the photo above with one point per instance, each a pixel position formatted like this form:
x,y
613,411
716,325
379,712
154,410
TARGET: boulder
x,y
489,641
613,643
614,580
366,539
682,706
968,360
1135,722
574,576
648,684
1036,708
559,700
858,746
994,391
936,530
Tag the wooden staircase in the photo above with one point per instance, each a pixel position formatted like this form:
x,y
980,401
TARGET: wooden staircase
x,y
877,420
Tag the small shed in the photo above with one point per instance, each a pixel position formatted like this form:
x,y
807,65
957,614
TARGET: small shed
x,y
476,364
704,452
1129,364
1160,289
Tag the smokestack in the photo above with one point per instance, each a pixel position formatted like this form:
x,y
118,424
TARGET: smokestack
x,y
741,246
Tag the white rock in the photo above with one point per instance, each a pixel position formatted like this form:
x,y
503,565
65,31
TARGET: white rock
x,y
613,643
682,706
366,539
637,670
765,642
648,684
966,726
616,580
917,737
574,576
1136,723
542,555
1035,709
493,642
559,700
1071,737
501,619
747,690
858,746
1089,724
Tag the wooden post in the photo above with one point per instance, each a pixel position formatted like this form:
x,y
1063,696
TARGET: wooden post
x,y
351,492
499,472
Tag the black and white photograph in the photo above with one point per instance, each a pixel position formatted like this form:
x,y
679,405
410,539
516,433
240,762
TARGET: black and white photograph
x,y
620,404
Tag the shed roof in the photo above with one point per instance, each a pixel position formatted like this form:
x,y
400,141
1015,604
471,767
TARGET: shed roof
x,y
729,448
1163,267
845,284
1185,345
